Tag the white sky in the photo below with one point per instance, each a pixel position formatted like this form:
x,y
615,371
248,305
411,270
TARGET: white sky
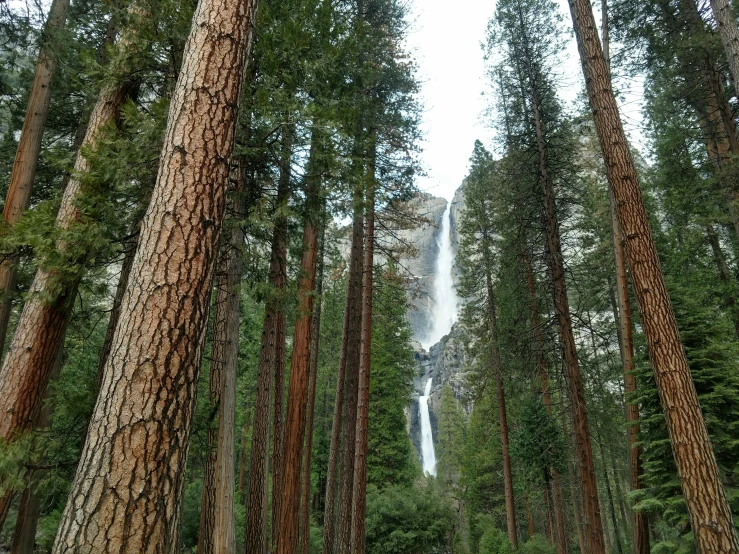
x,y
445,40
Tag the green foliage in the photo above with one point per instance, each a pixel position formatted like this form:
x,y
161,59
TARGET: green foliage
x,y
450,438
406,520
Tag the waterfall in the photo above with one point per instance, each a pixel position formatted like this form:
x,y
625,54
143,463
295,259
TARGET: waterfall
x,y
444,296
427,438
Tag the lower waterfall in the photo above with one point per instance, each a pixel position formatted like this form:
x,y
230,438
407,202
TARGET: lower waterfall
x,y
427,437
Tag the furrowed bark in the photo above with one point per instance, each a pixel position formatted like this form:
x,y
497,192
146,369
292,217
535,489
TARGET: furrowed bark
x,y
359,500
727,29
710,516
256,512
217,523
127,491
288,488
29,148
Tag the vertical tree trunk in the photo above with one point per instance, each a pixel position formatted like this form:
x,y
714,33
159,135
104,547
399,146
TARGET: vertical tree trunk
x,y
29,148
127,491
502,417
702,488
583,449
560,526
288,487
611,504
353,333
307,457
359,501
727,29
256,504
640,532
529,515
217,534
278,423
244,451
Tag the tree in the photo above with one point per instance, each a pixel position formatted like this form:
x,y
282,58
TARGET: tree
x,y
145,405
710,515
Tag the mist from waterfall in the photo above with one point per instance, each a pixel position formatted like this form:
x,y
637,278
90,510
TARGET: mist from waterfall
x,y
444,295
428,454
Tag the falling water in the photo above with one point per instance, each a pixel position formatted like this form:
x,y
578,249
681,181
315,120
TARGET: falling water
x,y
427,438
444,296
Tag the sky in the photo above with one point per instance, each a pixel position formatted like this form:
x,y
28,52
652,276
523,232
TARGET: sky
x,y
445,40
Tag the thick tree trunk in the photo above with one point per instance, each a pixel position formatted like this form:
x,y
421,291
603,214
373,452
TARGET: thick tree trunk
x,y
353,333
217,523
278,423
583,449
640,532
29,148
256,504
701,482
310,415
127,491
359,501
288,488
727,29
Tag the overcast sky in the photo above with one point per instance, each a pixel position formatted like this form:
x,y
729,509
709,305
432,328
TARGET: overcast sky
x,y
445,39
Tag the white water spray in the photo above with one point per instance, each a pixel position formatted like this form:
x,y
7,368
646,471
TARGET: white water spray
x,y
443,295
427,439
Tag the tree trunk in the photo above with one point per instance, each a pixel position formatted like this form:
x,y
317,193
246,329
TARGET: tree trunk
x,y
24,374
583,449
529,516
729,33
502,416
115,312
353,333
256,504
359,501
611,504
244,452
278,423
640,532
29,148
288,489
127,491
217,534
307,457
560,524
701,482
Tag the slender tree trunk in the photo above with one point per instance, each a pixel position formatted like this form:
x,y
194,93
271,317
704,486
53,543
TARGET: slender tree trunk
x,y
502,417
278,423
359,507
288,487
640,532
560,524
256,512
25,371
127,491
329,521
529,515
583,449
611,504
349,414
217,524
727,29
575,496
704,494
29,148
244,452
29,510
310,415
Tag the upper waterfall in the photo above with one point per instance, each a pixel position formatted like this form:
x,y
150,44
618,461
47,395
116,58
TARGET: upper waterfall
x,y
444,295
